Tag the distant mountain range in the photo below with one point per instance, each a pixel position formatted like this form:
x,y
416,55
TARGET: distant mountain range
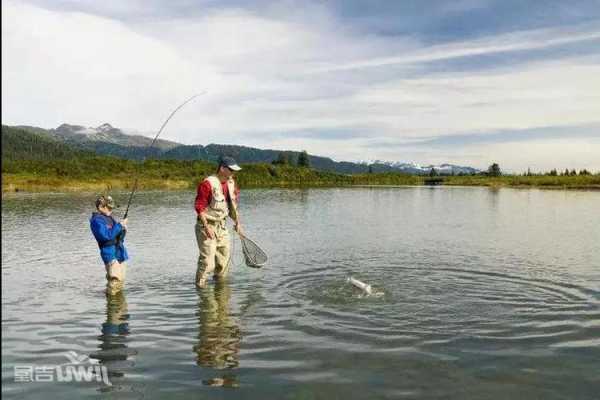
x,y
108,140
107,134
416,169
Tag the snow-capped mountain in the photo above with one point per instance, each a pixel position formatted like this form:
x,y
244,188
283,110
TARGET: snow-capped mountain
x,y
413,168
108,140
106,133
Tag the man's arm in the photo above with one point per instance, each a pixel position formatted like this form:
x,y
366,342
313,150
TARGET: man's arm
x,y
103,233
234,213
203,197
237,225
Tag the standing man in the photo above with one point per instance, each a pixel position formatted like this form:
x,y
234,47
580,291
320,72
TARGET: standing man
x,y
216,199
110,234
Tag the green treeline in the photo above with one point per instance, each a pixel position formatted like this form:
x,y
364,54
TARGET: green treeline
x,y
33,162
97,168
120,173
19,144
30,160
543,181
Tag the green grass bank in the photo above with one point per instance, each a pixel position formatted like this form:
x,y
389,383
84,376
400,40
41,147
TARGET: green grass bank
x,y
96,173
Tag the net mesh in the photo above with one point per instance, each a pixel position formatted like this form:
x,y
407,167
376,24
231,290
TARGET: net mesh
x,y
253,255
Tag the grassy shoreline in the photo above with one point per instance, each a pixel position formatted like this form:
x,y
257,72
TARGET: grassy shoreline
x,y
578,182
26,182
31,163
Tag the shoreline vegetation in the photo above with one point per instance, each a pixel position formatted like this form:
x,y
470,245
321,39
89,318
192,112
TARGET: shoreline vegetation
x,y
37,163
105,173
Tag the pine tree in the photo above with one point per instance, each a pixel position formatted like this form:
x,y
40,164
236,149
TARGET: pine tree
x,y
494,170
282,159
303,160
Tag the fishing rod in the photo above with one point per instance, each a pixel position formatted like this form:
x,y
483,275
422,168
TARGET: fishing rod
x,y
135,184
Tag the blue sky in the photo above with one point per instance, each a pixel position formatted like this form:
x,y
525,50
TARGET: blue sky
x,y
466,82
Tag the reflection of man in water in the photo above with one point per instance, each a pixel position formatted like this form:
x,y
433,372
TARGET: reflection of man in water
x,y
219,337
114,353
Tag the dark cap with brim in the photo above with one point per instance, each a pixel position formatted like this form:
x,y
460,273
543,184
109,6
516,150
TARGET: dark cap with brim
x,y
229,163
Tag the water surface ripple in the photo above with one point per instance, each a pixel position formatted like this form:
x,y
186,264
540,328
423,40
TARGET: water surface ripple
x,y
483,294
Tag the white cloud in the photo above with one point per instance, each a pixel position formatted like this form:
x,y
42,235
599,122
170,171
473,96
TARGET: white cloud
x,y
509,42
79,68
541,94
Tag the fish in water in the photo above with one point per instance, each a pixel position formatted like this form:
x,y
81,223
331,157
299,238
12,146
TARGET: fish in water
x,y
361,285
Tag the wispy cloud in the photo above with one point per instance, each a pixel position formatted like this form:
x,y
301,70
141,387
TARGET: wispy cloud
x,y
510,42
341,79
334,134
545,133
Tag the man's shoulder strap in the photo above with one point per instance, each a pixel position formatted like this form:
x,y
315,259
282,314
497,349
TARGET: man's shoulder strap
x,y
214,181
215,184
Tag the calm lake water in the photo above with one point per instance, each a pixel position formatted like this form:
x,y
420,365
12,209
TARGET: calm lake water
x,y
487,294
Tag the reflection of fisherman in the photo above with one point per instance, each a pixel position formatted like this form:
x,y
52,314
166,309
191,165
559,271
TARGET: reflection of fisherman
x,y
219,337
216,199
110,234
114,353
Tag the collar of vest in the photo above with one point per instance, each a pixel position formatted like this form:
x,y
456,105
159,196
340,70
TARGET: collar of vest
x,y
215,184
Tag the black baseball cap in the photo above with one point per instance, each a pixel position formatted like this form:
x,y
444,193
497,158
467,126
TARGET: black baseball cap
x,y
229,163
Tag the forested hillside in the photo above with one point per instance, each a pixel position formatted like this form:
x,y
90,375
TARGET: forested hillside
x,y
19,144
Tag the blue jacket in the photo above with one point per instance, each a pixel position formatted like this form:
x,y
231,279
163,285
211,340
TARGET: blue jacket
x,y
106,230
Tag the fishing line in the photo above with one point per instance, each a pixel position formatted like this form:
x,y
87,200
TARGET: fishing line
x,y
135,184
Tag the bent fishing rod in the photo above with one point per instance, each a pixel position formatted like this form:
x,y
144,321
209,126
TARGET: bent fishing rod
x,y
135,184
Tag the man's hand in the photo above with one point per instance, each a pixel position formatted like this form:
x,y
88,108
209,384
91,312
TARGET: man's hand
x,y
238,228
208,231
124,223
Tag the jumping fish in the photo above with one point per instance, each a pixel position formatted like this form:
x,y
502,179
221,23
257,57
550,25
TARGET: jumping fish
x,y
361,285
